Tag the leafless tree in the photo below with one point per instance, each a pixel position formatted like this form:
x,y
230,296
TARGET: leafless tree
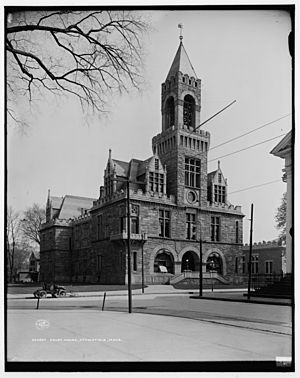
x,y
280,218
87,54
31,223
12,238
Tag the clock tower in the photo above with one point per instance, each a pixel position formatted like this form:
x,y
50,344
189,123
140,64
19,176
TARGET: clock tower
x,y
182,146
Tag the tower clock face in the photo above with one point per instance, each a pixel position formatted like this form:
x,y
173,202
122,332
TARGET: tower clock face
x,y
191,196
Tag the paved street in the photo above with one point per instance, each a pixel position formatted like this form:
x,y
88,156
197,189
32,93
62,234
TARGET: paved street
x,y
75,329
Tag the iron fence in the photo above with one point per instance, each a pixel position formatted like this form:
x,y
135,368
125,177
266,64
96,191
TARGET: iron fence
x,y
262,280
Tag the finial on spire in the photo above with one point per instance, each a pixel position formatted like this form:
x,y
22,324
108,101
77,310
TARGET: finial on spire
x,y
180,26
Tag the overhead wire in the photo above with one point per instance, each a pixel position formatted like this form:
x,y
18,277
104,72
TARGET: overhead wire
x,y
249,132
246,148
254,186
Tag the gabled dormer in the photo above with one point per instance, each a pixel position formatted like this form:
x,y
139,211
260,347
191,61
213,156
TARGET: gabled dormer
x,y
217,186
154,174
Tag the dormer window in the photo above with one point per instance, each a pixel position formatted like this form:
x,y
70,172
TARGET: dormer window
x,y
156,182
220,193
109,185
156,164
220,178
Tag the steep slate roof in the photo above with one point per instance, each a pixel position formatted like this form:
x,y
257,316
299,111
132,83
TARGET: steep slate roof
x,y
121,167
56,202
212,174
284,146
181,63
142,166
72,205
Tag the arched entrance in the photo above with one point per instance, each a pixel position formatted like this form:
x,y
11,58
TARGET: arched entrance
x,y
214,262
164,261
189,261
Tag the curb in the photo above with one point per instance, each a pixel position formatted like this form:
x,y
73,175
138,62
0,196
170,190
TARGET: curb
x,y
243,301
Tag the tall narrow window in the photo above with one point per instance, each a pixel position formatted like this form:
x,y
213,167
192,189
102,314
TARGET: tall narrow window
x,y
215,228
189,112
236,231
269,267
99,226
134,225
254,264
191,226
236,265
134,262
164,223
192,172
170,112
99,263
243,263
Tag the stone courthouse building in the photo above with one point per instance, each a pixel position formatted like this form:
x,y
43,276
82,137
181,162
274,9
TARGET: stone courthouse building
x,y
173,202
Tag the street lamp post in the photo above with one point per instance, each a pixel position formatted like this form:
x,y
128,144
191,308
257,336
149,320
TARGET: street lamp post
x,y
250,253
143,277
200,269
212,267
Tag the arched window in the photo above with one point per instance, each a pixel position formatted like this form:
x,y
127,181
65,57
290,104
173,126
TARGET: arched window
x,y
170,112
214,262
189,111
164,262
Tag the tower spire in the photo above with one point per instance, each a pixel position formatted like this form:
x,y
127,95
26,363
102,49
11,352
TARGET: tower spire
x,y
180,26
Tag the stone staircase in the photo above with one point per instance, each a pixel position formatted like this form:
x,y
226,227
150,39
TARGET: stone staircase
x,y
190,277
279,289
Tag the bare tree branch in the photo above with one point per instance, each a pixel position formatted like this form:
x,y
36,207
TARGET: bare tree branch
x,y
31,223
87,54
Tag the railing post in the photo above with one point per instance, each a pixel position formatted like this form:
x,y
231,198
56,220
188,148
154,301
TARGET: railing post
x,y
103,303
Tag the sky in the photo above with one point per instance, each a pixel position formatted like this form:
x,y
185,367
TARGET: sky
x,y
238,55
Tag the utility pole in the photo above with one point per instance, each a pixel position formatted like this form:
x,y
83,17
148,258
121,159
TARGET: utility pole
x,y
128,181
250,253
129,250
143,276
